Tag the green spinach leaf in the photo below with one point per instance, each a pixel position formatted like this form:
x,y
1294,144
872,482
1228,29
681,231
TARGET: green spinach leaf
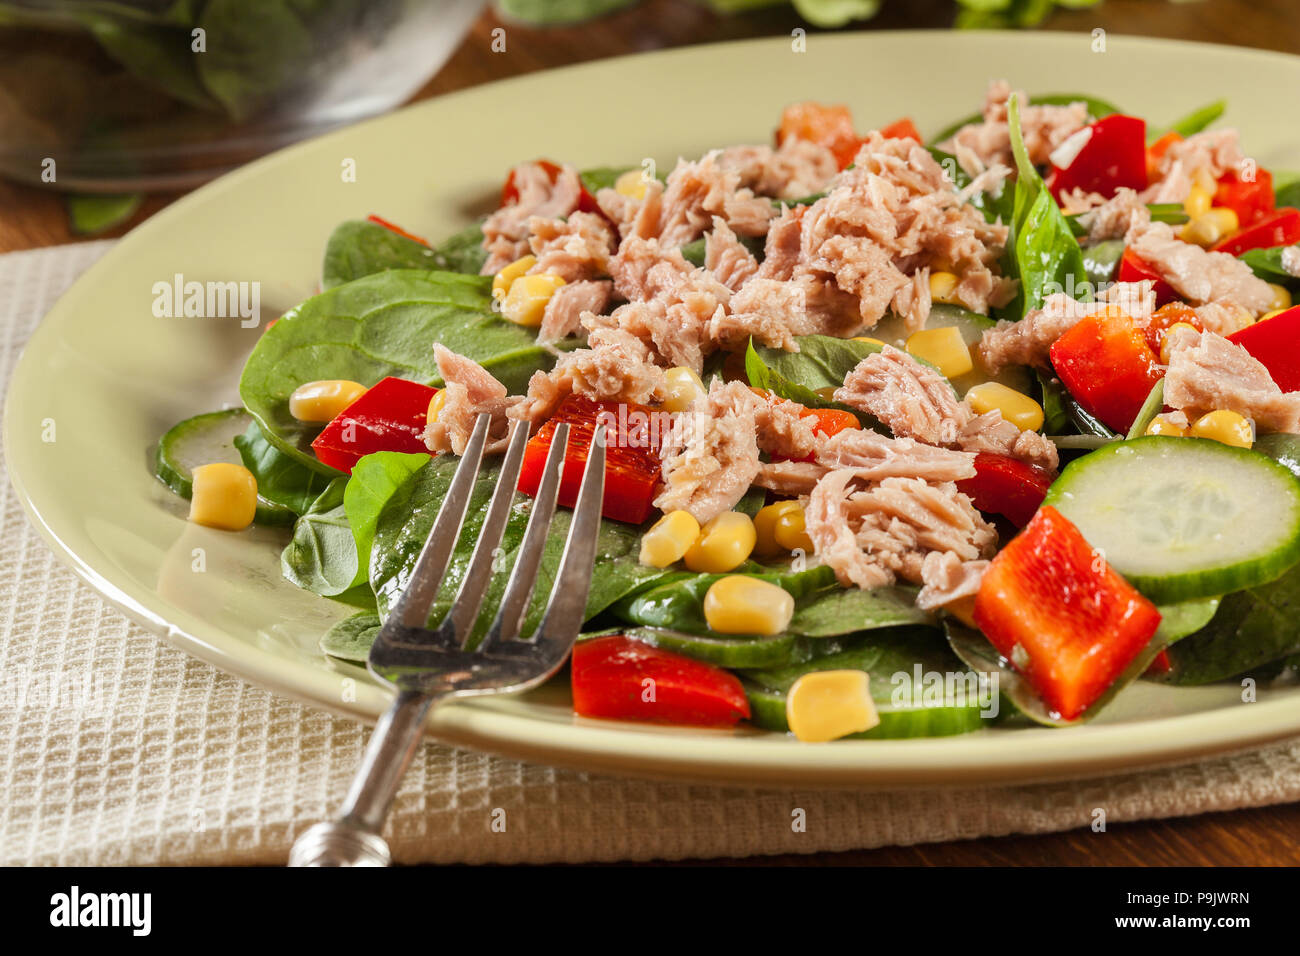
x,y
1252,628
375,326
350,638
1101,261
281,479
1045,255
1267,265
1193,122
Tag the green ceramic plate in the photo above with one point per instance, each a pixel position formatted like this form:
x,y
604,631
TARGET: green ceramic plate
x,y
111,376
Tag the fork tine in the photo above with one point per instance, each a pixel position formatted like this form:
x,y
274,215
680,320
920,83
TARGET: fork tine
x,y
523,576
412,607
566,607
469,598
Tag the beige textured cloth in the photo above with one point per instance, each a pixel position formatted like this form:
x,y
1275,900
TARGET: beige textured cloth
x,y
168,760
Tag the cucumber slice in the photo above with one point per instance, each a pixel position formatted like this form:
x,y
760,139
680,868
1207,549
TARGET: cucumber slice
x,y
1184,518
972,326
203,440
906,709
731,652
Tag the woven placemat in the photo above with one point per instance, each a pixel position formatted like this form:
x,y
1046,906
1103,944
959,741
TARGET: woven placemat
x,y
165,759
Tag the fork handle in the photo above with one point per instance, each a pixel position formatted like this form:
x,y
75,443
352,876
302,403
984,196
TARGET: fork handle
x,y
353,839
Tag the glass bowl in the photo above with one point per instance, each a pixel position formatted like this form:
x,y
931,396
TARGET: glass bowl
x,y
125,95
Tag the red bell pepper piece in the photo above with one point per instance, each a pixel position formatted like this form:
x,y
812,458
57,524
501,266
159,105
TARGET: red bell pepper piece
x,y
1276,343
1107,365
586,201
901,129
1006,486
1114,156
829,126
623,679
1063,617
1133,269
1251,200
1164,317
389,416
632,465
397,229
1160,665
1279,228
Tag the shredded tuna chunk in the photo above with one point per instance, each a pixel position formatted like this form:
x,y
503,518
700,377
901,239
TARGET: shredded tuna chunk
x,y
947,578
1207,372
794,478
1221,318
873,537
1110,218
682,210
874,457
729,261
710,455
616,366
1198,275
505,232
671,303
564,310
915,401
471,391
1291,260
992,433
1206,155
575,248
1044,128
795,169
887,219
1029,341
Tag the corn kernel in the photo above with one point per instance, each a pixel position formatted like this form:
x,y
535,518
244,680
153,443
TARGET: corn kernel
x,y
1269,315
1162,425
945,349
824,705
668,539
1204,180
1198,202
1020,410
723,545
1165,343
942,287
1207,229
322,401
504,279
684,387
436,405
525,303
868,340
631,184
790,531
1281,298
224,496
765,543
1224,426
739,604
963,609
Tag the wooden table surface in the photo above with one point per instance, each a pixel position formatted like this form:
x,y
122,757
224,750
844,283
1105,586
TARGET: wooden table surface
x,y
30,218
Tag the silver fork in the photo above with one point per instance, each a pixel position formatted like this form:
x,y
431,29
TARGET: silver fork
x,y
428,666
